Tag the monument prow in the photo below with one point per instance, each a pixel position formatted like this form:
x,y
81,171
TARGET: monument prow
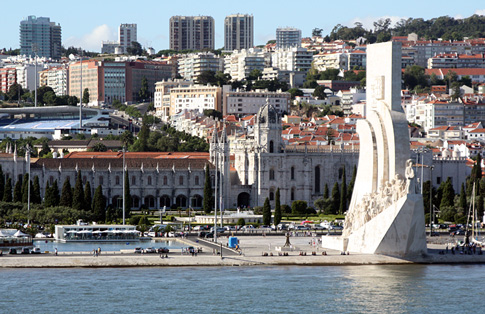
x,y
385,215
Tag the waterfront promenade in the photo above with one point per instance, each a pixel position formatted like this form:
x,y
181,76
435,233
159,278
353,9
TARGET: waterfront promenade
x,y
253,248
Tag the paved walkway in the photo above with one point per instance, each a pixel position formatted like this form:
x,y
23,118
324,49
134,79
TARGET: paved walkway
x,y
252,250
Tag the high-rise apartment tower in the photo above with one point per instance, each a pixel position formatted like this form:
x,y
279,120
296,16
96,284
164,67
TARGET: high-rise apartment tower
x,y
39,36
238,32
191,33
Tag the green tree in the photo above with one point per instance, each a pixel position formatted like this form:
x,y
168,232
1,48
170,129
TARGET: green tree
x,y
222,78
326,194
88,200
66,194
320,92
277,208
50,98
299,207
78,195
25,188
86,96
241,222
207,201
99,204
2,181
463,204
207,77
14,91
480,206
448,197
335,198
35,198
7,193
476,173
295,92
135,49
98,147
343,195
426,195
266,212
17,191
351,184
144,94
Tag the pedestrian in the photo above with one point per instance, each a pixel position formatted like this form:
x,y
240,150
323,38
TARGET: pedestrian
x,y
99,250
94,253
56,251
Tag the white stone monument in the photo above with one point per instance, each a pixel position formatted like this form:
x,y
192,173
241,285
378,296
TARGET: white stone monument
x,y
385,215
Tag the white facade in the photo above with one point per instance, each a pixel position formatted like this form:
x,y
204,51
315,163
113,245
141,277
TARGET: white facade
x,y
192,65
292,59
126,35
57,79
244,103
240,63
162,96
288,37
324,61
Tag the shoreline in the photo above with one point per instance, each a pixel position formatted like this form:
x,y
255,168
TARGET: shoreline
x,y
253,249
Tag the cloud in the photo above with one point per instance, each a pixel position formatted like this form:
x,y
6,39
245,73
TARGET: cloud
x,y
92,41
368,21
480,12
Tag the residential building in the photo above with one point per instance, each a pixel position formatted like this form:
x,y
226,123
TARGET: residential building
x,y
332,60
191,33
8,77
239,64
196,97
476,74
39,36
244,103
127,34
292,78
109,47
288,37
351,97
162,96
295,59
190,66
57,79
238,32
338,85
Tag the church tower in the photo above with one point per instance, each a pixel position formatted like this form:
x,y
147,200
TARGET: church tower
x,y
267,130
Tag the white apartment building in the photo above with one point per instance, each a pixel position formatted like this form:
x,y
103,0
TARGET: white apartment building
x,y
162,96
350,98
127,34
288,37
292,59
240,63
190,66
293,79
196,97
245,103
333,60
57,78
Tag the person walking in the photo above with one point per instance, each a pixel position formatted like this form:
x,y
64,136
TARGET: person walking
x,y
56,251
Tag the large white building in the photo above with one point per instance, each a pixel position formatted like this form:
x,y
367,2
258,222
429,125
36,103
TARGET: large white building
x,y
190,66
196,97
57,78
127,34
162,96
239,64
288,37
245,103
238,32
294,59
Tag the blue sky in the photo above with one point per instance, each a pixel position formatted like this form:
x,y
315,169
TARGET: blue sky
x,y
86,23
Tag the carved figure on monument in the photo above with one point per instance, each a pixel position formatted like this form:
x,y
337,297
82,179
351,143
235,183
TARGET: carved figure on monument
x,y
410,184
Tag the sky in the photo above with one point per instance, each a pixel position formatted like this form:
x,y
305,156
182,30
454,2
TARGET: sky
x,y
87,23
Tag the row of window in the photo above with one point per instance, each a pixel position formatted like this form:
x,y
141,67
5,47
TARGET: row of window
x,y
133,180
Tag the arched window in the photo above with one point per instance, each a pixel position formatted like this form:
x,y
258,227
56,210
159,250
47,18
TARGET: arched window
x,y
181,180
101,180
292,173
271,174
196,180
149,180
84,180
271,195
271,147
51,180
165,201
165,180
292,196
317,179
133,180
117,180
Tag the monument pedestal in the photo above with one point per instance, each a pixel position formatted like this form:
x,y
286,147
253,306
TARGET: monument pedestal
x,y
399,230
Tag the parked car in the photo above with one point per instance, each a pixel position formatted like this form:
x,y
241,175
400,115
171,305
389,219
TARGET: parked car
x,y
150,250
138,250
336,227
163,250
209,235
202,234
35,250
230,228
300,228
12,251
25,250
218,230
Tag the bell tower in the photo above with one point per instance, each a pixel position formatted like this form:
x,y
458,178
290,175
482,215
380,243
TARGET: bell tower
x,y
267,130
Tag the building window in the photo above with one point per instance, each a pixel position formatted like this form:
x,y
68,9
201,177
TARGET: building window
x,y
292,173
133,180
292,196
149,180
117,180
271,147
196,180
271,195
438,180
51,180
101,180
84,180
165,180
181,180
317,179
271,174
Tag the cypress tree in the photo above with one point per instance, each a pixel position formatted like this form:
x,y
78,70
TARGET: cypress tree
x,y
66,194
335,198
55,193
350,190
2,181
326,193
207,201
25,188
426,195
35,197
277,208
78,196
479,206
463,204
49,198
343,195
127,196
88,199
448,197
266,212
7,193
17,191
99,204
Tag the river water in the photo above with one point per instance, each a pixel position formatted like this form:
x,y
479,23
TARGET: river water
x,y
332,289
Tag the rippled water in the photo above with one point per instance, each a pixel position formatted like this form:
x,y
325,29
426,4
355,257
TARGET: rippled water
x,y
352,289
